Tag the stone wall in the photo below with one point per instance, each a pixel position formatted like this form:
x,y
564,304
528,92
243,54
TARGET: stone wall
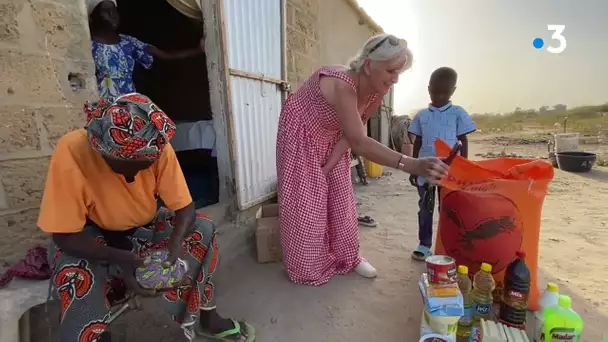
x,y
43,45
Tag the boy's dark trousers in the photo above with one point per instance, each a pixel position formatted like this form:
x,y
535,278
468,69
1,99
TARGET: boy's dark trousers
x,y
425,216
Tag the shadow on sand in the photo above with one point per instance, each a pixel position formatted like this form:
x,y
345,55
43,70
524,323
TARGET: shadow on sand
x,y
598,173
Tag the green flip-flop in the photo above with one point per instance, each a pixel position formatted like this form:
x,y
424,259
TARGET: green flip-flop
x,y
421,253
242,332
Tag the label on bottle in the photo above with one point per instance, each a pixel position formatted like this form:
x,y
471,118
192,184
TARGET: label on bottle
x,y
515,295
564,334
538,331
516,299
467,317
475,335
480,309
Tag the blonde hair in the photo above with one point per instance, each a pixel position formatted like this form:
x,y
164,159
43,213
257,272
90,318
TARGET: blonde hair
x,y
382,52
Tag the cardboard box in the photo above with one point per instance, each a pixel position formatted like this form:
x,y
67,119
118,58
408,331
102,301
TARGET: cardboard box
x,y
267,235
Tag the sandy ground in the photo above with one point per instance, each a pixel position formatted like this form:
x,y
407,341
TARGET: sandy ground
x,y
573,237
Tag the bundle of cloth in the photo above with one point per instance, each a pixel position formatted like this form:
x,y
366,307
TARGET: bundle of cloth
x,y
399,131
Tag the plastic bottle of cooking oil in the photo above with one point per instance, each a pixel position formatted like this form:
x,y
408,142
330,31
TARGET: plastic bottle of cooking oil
x,y
466,286
481,296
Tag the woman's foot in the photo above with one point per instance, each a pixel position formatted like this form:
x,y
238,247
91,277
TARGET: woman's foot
x,y
365,269
213,323
105,337
214,326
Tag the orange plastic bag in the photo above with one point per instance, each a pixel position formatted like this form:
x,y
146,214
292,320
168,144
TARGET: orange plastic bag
x,y
490,209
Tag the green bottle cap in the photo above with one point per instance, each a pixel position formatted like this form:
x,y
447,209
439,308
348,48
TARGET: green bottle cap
x,y
565,301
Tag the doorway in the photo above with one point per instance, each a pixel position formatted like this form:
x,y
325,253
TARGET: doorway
x,y
180,88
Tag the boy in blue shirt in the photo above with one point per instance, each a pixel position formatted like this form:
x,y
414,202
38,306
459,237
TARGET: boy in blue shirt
x,y
447,122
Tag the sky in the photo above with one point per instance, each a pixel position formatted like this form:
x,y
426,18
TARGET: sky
x,y
489,44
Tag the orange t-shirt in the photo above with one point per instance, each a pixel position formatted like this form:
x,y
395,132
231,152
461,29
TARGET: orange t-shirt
x,y
80,185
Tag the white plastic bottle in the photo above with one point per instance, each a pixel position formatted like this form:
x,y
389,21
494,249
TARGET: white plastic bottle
x,y
549,298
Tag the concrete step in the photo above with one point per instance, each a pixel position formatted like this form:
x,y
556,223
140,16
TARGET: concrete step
x,y
235,240
219,212
235,230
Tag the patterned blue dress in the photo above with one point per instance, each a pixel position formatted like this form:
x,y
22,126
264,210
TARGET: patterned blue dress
x,y
114,64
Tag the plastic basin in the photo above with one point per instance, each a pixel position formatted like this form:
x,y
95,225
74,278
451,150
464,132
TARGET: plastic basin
x,y
576,161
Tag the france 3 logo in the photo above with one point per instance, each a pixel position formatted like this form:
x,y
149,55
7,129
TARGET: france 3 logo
x,y
557,39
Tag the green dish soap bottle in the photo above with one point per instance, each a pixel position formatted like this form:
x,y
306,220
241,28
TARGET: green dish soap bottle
x,y
561,323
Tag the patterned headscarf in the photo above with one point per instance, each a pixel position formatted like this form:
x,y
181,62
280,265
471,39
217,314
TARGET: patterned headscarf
x,y
130,127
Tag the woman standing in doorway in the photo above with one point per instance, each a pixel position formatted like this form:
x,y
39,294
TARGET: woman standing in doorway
x,y
115,54
319,124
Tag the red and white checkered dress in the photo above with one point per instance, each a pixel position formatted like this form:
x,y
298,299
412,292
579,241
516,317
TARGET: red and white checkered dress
x,y
318,217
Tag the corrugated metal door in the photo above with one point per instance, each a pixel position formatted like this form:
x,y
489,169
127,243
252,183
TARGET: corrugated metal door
x,y
254,48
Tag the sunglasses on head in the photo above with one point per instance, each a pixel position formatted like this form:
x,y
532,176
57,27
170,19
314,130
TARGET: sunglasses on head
x,y
394,41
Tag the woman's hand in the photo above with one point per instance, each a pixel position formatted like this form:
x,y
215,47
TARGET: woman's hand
x,y
325,169
128,267
184,220
431,168
175,250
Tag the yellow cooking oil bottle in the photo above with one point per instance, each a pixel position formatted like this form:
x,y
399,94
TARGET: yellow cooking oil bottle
x,y
466,287
561,323
481,296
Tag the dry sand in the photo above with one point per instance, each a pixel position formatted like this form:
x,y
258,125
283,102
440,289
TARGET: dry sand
x,y
387,309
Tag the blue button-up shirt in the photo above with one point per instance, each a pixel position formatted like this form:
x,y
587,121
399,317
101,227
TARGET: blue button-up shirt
x,y
446,123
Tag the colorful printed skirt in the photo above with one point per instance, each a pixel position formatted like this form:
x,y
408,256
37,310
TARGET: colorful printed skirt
x,y
87,288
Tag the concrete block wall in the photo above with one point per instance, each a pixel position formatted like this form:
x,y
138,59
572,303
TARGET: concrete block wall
x,y
322,33
303,40
46,75
343,32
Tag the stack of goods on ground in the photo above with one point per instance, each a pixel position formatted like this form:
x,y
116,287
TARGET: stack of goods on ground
x,y
489,210
489,221
447,293
443,301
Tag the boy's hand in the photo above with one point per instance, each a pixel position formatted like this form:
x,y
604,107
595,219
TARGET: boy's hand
x,y
414,180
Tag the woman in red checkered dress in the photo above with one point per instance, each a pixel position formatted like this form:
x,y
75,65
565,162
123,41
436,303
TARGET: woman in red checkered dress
x,y
319,124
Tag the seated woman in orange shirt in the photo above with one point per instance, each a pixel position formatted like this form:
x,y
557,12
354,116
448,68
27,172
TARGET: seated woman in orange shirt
x,y
100,205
